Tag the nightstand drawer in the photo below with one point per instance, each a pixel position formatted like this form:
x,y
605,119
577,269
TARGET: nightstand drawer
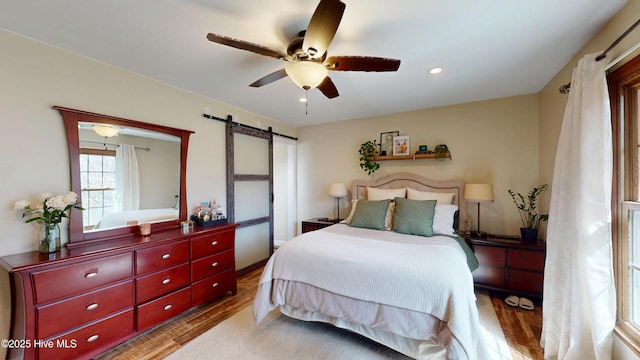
x,y
489,255
489,276
528,281
315,224
526,260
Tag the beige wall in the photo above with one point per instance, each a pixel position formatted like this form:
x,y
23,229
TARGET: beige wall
x,y
491,142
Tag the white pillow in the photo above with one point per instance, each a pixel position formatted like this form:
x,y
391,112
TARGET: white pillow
x,y
443,219
384,194
387,219
441,198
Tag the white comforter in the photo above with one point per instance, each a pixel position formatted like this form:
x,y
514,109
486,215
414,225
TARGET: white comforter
x,y
427,275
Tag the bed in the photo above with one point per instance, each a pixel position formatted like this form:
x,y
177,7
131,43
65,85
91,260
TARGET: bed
x,y
407,288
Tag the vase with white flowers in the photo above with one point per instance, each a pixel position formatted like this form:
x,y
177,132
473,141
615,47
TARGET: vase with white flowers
x,y
48,212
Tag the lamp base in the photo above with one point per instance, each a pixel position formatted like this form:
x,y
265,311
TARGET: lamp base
x,y
480,235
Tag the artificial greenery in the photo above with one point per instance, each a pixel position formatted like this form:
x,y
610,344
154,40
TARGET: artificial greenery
x,y
368,151
528,214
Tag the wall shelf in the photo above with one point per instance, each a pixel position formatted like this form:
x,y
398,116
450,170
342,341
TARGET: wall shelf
x,y
409,157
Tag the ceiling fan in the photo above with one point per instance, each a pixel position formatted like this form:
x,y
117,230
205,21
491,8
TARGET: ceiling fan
x,y
307,54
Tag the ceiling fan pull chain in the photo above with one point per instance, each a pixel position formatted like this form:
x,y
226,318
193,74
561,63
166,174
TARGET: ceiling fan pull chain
x,y
306,103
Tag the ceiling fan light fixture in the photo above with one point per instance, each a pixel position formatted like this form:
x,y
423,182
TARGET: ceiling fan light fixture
x,y
105,130
435,70
306,74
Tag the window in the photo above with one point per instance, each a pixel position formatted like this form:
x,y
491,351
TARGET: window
x,y
623,89
98,184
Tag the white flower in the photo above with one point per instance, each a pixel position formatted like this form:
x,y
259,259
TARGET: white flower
x,y
71,198
44,196
56,202
21,204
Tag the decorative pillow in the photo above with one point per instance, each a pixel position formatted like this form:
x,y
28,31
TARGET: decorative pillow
x,y
347,220
414,217
383,194
387,220
442,198
370,214
443,220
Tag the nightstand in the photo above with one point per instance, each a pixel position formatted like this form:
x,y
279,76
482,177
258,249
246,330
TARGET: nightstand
x,y
315,224
509,266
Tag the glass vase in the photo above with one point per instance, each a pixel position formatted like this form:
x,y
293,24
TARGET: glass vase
x,y
49,237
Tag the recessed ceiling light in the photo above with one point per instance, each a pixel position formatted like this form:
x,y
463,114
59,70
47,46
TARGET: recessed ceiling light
x,y
435,70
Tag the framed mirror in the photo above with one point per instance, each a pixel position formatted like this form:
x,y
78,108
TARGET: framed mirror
x,y
126,173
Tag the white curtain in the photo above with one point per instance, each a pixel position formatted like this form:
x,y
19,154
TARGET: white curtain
x,y
578,310
127,178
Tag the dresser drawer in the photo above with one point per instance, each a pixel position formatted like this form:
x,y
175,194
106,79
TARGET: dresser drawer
x,y
210,265
489,255
81,309
90,338
160,257
166,307
202,246
526,281
526,259
213,287
69,280
162,282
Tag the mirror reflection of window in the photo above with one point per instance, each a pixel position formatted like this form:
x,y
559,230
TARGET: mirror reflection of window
x,y
98,179
158,158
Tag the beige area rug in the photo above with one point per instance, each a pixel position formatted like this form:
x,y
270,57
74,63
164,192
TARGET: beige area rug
x,y
280,337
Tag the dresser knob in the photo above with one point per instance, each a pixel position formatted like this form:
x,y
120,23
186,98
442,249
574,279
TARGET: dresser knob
x,y
214,243
93,338
168,307
214,264
166,281
91,275
166,256
92,307
214,285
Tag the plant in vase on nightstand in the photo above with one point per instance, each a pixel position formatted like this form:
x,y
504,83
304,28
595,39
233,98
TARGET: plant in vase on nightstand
x,y
527,209
48,212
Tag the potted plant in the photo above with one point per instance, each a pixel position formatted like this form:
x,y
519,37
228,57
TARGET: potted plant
x,y
528,214
441,151
368,151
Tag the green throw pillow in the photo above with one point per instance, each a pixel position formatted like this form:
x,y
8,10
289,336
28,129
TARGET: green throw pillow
x,y
370,214
414,217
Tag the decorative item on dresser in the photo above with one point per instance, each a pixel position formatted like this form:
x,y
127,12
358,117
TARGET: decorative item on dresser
x,y
316,224
510,266
89,298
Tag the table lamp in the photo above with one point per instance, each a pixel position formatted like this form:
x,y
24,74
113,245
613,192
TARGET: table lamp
x,y
478,193
337,191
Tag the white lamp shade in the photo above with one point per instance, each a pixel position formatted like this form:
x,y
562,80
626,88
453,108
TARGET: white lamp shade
x,y
338,190
478,192
105,130
306,74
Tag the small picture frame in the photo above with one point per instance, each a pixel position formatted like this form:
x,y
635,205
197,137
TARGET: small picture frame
x,y
401,145
386,142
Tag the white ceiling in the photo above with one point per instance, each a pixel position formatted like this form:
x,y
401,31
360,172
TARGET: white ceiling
x,y
487,48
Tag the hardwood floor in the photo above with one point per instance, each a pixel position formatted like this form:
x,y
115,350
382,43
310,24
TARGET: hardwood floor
x,y
521,328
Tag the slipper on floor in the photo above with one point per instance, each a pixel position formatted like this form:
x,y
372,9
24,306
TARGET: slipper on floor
x,y
526,304
512,300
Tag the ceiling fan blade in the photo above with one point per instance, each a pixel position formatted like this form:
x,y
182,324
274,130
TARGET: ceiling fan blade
x,y
322,27
277,75
328,88
361,63
244,45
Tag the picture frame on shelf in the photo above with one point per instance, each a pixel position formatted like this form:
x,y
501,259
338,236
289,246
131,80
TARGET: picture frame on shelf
x,y
386,142
401,145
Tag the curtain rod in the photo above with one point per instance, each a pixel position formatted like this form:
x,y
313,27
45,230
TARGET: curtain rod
x,y
564,89
107,144
249,127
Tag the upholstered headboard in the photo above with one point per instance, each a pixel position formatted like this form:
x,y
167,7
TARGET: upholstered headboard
x,y
417,182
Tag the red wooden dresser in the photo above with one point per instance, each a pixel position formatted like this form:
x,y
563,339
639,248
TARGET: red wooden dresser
x,y
80,302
